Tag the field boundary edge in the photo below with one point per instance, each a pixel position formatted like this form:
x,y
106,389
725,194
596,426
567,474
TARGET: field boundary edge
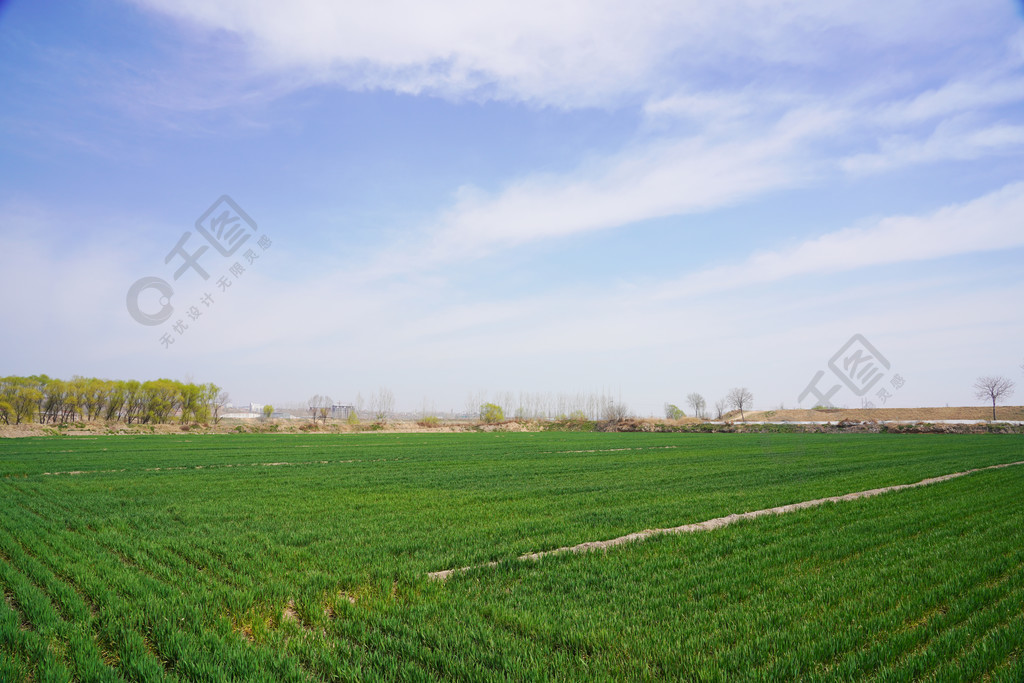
x,y
719,522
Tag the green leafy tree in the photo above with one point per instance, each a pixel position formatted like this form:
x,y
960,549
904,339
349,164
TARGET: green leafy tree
x,y
55,403
673,412
24,402
491,413
190,398
268,410
94,397
90,398
77,398
133,400
161,399
115,401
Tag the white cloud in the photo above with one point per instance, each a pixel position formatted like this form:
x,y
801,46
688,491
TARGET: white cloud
x,y
955,97
958,121
666,179
948,142
568,52
711,107
752,135
988,223
716,168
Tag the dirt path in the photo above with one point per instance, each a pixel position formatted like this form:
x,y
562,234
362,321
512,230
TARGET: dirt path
x,y
720,522
217,466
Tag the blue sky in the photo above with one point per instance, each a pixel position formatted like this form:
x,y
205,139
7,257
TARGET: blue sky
x,y
647,199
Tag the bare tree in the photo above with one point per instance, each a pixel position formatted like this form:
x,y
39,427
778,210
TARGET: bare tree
x,y
506,400
740,398
698,405
221,399
382,404
994,389
720,406
615,412
474,400
319,406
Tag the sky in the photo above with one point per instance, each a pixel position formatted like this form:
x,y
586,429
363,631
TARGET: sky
x,y
457,199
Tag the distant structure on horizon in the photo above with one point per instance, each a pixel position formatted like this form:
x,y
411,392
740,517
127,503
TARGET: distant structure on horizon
x,y
341,411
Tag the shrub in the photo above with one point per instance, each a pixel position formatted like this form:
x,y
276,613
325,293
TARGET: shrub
x,y
564,424
615,412
430,421
491,414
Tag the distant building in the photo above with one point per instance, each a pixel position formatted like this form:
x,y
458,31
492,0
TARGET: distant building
x,y
341,411
256,408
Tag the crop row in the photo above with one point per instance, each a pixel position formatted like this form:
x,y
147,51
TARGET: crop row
x,y
926,584
233,567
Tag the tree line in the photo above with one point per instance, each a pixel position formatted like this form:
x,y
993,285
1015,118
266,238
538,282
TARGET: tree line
x,y
47,400
546,406
738,398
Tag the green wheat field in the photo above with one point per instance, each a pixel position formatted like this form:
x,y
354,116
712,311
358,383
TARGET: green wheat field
x,y
305,558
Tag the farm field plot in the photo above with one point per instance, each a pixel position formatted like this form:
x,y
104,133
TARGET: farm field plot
x,y
254,557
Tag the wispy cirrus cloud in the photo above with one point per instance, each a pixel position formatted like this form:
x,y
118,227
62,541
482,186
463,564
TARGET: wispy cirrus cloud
x,y
569,53
687,176
754,141
988,223
996,88
714,131
668,178
949,141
